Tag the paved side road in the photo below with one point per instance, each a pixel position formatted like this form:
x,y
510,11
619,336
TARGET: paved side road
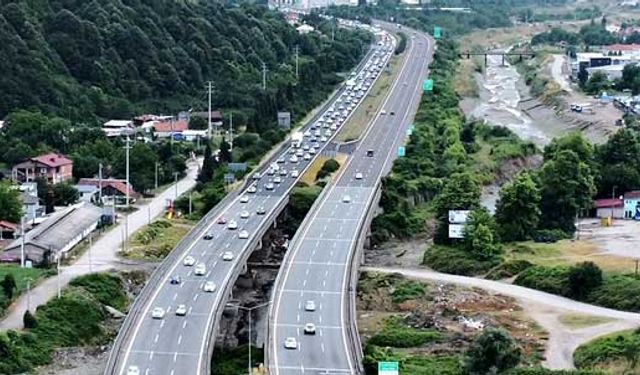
x,y
543,307
104,252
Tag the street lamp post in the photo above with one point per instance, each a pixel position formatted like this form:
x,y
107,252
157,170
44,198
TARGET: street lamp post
x,y
250,310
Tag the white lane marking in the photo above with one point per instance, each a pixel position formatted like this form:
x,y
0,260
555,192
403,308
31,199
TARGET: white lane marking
x,y
190,308
151,355
175,296
155,340
302,291
319,263
162,324
318,327
306,272
146,372
179,339
172,372
320,318
319,370
322,346
326,273
175,357
298,318
195,297
184,324
204,252
304,283
324,283
155,353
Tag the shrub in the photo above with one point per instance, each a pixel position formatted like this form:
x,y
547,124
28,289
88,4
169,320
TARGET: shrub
x,y
407,290
492,351
456,261
106,288
621,292
508,269
548,279
550,235
29,320
583,278
330,166
545,371
396,334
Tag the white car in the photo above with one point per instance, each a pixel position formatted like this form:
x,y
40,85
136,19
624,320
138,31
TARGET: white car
x,y
333,127
323,139
243,234
252,189
133,370
290,343
359,176
201,269
299,153
157,313
293,159
244,199
271,171
209,287
269,186
189,261
309,329
346,199
305,147
283,172
310,305
261,211
307,157
307,134
232,225
327,133
181,310
227,256
277,179
383,112
312,151
295,173
244,214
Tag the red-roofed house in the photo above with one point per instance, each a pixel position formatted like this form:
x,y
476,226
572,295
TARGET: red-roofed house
x,y
111,189
609,207
7,230
165,128
54,167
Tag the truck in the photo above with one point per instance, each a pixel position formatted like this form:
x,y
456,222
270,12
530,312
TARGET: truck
x,y
296,139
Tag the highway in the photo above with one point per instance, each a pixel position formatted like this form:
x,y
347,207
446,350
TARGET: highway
x,y
318,265
177,345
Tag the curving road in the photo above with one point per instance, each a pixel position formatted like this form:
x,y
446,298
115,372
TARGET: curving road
x,y
318,265
177,345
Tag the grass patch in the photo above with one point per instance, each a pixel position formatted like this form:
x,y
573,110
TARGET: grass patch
x,y
407,290
22,276
76,318
566,253
156,240
465,81
366,111
508,269
576,321
105,287
456,261
611,353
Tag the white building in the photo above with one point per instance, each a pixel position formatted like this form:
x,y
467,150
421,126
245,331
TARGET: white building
x,y
116,128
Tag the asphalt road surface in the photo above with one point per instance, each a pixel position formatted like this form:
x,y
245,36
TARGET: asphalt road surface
x,y
318,268
177,345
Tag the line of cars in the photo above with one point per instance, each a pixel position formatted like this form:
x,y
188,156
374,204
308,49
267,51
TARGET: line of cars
x,y
309,328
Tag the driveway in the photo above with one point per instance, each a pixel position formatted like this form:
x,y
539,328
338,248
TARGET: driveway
x,y
544,308
103,254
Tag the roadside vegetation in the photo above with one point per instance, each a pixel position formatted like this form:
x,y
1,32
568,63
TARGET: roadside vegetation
x,y
77,318
14,280
155,241
616,354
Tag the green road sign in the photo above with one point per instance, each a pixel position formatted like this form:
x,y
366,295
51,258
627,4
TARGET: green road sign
x,y
409,131
401,151
437,32
388,368
412,127
427,85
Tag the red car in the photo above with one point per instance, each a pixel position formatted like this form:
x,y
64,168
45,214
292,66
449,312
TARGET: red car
x,y
222,220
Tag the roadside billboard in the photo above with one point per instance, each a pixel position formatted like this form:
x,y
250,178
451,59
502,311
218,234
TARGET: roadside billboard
x,y
458,216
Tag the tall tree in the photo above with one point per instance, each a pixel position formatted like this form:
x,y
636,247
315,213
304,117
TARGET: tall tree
x,y
225,152
480,237
10,203
64,194
517,209
208,165
567,186
8,285
617,162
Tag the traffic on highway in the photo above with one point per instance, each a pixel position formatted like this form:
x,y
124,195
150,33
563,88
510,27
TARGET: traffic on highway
x,y
310,323
173,332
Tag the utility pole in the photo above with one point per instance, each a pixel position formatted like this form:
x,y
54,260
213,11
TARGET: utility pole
x,y
22,242
613,200
156,177
264,76
126,216
58,269
209,123
190,204
100,184
297,62
175,178
230,131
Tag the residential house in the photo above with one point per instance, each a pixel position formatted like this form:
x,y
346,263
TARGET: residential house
x,y
632,205
88,193
54,167
31,207
609,208
8,230
170,127
114,191
55,236
117,128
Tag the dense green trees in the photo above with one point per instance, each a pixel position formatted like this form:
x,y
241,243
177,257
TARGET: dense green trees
x,y
115,59
583,278
480,238
518,209
617,163
10,203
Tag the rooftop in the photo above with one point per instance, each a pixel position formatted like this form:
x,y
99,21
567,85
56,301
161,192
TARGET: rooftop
x,y
608,203
117,124
171,126
53,160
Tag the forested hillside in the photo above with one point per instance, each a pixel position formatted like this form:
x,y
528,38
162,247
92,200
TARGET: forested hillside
x,y
115,58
